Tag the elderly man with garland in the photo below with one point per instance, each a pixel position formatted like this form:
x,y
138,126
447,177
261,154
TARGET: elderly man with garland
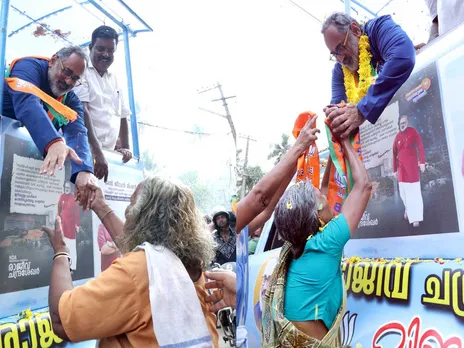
x,y
38,93
373,62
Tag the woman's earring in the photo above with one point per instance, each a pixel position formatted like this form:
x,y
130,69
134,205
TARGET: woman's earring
x,y
320,206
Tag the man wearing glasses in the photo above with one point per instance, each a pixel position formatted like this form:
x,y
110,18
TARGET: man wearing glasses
x,y
38,93
392,61
104,109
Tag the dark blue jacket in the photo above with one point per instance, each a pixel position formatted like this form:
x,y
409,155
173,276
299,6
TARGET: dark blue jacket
x,y
394,56
32,113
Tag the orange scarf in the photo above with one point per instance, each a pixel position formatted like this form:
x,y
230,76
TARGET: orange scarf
x,y
308,164
340,179
56,109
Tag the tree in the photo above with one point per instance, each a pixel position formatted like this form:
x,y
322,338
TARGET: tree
x,y
253,175
278,150
205,198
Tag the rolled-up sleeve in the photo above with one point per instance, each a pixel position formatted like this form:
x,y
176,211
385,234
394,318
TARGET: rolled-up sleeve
x,y
106,306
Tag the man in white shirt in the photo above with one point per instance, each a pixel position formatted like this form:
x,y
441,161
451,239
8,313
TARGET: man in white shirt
x,y
445,15
105,114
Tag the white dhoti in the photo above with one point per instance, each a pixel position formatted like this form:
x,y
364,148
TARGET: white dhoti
x,y
71,244
411,195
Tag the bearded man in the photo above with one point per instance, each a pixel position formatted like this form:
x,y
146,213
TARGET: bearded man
x,y
38,93
372,62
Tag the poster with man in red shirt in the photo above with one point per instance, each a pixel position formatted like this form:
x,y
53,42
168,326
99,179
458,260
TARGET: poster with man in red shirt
x,y
408,158
68,210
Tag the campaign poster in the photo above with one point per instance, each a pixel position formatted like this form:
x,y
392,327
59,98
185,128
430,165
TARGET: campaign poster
x,y
431,98
403,303
29,201
407,158
121,184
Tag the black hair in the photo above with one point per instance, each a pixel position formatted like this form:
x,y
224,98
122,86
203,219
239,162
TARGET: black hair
x,y
104,32
232,216
207,218
402,116
219,213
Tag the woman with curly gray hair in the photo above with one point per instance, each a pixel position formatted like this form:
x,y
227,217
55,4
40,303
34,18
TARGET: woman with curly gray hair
x,y
305,300
154,295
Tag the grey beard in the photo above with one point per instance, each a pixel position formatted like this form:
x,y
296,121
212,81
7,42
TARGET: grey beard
x,y
56,91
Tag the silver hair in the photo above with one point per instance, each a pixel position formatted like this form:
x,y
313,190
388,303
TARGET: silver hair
x,y
340,20
66,52
165,214
296,216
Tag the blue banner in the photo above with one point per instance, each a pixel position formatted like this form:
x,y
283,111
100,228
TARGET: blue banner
x,y
399,303
404,303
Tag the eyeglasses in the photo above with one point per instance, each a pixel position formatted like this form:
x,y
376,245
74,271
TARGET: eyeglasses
x,y
68,73
340,50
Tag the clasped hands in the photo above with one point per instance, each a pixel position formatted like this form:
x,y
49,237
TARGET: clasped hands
x,y
83,192
343,120
56,156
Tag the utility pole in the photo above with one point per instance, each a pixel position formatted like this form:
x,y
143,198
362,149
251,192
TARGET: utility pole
x,y
227,116
245,164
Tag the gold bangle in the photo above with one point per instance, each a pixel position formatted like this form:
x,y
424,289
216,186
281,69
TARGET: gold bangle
x,y
104,216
